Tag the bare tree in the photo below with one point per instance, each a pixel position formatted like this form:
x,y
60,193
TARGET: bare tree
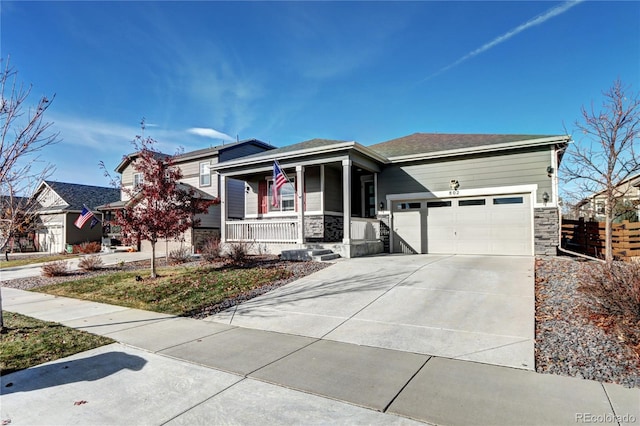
x,y
23,134
605,158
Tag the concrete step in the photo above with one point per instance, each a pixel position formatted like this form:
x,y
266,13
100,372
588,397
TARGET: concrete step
x,y
306,254
326,257
319,252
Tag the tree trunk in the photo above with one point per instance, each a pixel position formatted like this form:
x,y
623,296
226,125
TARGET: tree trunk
x,y
608,249
153,259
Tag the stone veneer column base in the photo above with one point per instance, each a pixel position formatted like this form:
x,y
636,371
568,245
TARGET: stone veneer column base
x,y
546,224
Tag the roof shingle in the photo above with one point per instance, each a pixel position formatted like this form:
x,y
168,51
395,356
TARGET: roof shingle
x,y
424,143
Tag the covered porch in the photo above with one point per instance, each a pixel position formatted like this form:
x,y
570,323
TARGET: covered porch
x,y
330,201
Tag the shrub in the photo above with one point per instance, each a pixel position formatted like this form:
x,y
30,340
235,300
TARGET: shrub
x,y
211,249
238,252
614,298
90,263
89,247
55,269
181,255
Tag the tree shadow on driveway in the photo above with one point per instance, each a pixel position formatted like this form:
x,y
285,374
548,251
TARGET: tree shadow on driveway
x,y
83,369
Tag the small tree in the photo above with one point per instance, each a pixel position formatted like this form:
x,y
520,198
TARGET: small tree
x,y
606,157
159,207
23,134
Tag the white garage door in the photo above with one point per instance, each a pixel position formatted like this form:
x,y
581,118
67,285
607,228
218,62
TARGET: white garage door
x,y
499,224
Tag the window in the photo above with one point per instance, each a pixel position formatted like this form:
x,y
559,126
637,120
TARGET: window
x,y
479,202
508,200
138,180
408,206
432,204
286,197
205,174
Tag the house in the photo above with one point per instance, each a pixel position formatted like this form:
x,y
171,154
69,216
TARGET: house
x,y
197,174
422,193
61,204
628,191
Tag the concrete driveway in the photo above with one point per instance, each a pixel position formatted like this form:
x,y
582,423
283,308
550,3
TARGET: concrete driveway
x,y
477,308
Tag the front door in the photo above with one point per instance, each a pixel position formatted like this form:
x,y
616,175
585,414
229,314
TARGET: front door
x,y
369,199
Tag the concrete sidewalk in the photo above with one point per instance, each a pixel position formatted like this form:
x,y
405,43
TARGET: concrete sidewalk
x,y
178,370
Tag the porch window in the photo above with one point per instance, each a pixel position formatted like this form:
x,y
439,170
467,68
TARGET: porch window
x,y
286,196
205,174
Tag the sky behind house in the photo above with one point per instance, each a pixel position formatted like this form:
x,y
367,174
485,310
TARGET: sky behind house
x,y
203,73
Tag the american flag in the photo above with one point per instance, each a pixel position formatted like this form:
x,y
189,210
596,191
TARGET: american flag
x,y
279,180
83,218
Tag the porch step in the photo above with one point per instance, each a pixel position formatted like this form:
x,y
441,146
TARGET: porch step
x,y
326,257
320,255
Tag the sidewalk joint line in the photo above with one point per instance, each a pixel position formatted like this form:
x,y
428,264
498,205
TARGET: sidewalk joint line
x,y
615,416
384,410
242,379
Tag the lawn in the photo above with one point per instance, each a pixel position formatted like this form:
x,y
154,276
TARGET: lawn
x,y
177,291
29,342
33,259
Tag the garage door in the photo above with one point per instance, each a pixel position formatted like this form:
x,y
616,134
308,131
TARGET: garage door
x,y
498,225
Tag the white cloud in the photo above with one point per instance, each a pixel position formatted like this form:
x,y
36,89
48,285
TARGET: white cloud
x,y
551,13
209,133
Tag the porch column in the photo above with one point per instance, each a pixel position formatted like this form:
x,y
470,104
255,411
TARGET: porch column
x,y
300,195
223,209
346,199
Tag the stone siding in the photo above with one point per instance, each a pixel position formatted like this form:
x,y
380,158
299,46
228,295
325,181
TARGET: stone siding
x,y
333,228
545,224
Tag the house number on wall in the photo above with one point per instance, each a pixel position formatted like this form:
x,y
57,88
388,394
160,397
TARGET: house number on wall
x,y
454,192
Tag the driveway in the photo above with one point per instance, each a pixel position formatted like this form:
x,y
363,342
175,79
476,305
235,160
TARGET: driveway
x,y
477,308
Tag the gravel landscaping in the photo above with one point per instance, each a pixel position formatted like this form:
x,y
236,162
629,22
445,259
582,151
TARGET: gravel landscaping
x,y
568,340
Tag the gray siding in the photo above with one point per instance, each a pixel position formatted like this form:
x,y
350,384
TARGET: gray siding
x,y
312,187
77,236
235,199
479,171
251,198
211,219
333,189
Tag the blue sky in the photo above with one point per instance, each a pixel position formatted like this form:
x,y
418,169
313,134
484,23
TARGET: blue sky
x,y
284,72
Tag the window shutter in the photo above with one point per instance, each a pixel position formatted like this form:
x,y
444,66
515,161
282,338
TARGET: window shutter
x,y
262,197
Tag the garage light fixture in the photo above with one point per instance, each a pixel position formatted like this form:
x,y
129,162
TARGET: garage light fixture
x,y
549,171
381,205
545,197
454,184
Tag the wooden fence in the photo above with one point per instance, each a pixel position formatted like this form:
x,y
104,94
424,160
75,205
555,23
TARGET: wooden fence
x,y
588,238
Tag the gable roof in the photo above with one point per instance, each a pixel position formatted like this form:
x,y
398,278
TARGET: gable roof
x,y
77,195
300,146
206,152
192,155
423,145
128,158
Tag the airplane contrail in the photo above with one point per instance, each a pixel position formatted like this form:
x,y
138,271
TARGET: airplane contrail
x,y
558,10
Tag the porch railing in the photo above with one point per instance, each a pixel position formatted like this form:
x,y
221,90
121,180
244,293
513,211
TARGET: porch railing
x,y
365,229
263,231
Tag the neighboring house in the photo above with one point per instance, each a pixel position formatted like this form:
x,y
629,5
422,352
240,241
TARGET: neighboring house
x,y
197,174
16,214
423,193
61,204
628,190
